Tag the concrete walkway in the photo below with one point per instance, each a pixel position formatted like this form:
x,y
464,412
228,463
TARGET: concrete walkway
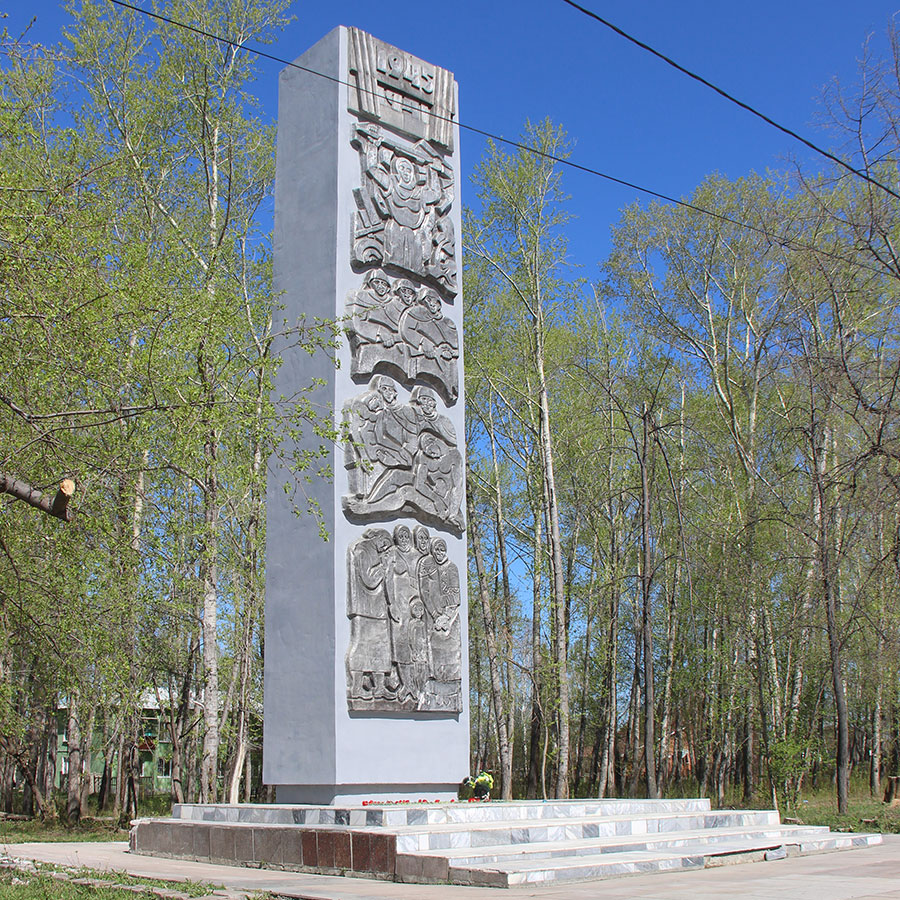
x,y
869,874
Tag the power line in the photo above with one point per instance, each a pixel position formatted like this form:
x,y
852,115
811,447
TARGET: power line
x,y
430,113
781,240
723,93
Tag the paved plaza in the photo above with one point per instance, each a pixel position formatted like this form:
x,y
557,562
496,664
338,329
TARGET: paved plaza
x,y
872,873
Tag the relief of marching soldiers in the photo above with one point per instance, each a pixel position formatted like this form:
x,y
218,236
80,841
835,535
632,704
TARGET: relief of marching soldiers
x,y
397,328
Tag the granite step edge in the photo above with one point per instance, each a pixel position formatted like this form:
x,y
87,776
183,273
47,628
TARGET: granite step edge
x,y
768,815
158,834
494,833
423,869
586,868
734,848
458,856
715,819
620,865
390,814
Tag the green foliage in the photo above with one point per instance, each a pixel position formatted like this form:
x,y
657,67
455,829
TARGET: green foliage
x,y
136,348
788,759
767,357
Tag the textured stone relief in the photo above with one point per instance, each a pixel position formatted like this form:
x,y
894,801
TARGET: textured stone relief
x,y
402,219
401,458
395,328
400,90
403,602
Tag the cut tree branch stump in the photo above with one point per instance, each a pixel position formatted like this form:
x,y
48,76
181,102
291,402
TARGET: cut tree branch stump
x,y
57,505
60,507
892,790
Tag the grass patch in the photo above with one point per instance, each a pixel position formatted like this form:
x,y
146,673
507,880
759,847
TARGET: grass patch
x,y
191,888
16,885
26,831
816,806
27,881
866,813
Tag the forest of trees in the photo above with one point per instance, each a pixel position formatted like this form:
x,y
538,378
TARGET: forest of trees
x,y
683,486
683,476
137,320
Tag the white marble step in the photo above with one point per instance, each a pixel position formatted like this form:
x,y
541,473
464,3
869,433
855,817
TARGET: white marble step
x,y
611,865
525,831
714,838
392,815
492,844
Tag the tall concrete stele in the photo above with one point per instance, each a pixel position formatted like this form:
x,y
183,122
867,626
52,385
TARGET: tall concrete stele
x,y
366,668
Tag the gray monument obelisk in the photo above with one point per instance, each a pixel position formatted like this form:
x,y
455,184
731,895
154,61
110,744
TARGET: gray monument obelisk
x,y
366,664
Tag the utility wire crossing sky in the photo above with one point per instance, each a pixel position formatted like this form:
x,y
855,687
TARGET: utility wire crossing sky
x,y
769,121
781,240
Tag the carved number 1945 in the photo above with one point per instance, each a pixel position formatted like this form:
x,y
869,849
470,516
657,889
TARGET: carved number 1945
x,y
397,66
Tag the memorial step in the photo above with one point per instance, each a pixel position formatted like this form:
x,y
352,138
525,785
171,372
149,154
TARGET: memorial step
x,y
488,844
460,856
391,815
586,867
524,831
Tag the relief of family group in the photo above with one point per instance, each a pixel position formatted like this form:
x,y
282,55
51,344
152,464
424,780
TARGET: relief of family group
x,y
397,328
403,599
401,458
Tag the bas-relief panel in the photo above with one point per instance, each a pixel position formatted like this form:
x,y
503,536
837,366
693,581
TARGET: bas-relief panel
x,y
403,205
403,602
396,328
403,92
402,459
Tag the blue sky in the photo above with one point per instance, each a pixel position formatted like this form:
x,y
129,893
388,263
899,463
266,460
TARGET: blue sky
x,y
628,114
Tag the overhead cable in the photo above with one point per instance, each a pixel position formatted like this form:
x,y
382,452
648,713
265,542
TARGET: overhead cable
x,y
781,240
731,98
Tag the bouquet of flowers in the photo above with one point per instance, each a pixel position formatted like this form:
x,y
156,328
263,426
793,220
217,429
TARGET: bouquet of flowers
x,y
476,787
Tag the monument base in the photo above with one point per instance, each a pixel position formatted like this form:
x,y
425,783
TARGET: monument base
x,y
496,844
366,664
357,794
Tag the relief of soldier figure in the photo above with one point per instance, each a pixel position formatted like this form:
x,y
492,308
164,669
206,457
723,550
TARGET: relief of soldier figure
x,y
403,602
395,328
401,458
402,216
